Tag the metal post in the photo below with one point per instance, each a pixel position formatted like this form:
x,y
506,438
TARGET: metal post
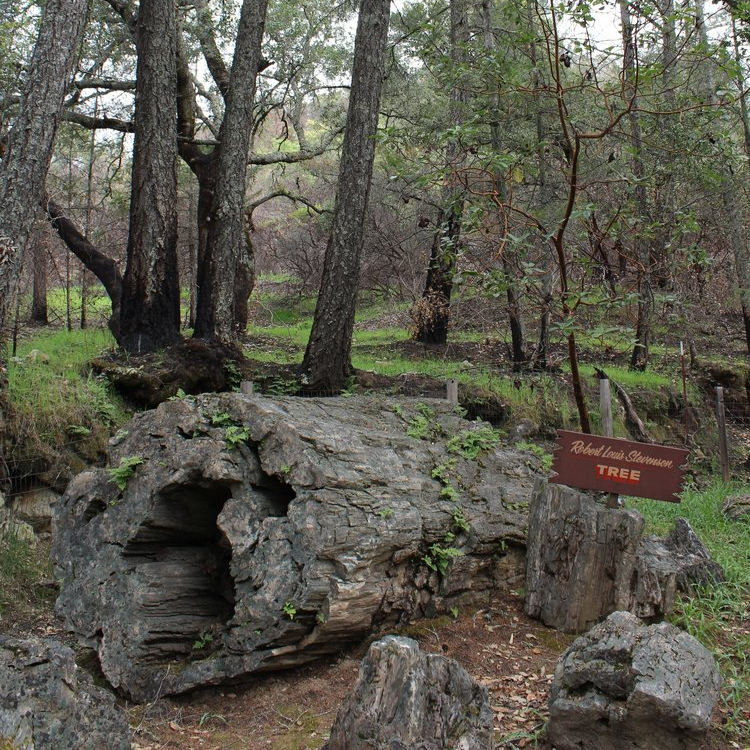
x,y
722,424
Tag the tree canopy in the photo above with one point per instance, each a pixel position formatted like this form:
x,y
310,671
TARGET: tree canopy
x,y
554,157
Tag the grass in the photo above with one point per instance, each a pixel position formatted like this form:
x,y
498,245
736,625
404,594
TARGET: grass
x,y
716,615
55,399
22,567
98,306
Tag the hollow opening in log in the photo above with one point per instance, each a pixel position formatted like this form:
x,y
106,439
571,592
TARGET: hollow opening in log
x,y
184,591
95,508
274,496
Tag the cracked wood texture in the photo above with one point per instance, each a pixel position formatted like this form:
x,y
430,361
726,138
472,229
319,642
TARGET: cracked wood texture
x,y
629,686
580,557
585,561
263,533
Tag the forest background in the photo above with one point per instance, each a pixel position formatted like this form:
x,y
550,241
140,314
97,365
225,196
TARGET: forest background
x,y
583,165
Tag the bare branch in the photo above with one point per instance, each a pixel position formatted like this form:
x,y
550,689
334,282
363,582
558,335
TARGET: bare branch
x,y
97,123
281,193
104,83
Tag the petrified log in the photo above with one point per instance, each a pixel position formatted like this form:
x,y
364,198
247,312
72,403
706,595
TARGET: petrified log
x,y
405,698
626,686
586,560
256,534
48,703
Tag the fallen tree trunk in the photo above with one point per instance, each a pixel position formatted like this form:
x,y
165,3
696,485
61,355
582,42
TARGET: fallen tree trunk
x,y
237,534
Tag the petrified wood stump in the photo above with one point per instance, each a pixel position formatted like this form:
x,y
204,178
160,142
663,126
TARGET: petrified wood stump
x,y
585,561
628,686
405,698
580,558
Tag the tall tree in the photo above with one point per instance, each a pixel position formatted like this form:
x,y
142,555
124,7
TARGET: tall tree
x,y
225,267
735,219
23,169
150,313
327,361
432,313
518,347
639,356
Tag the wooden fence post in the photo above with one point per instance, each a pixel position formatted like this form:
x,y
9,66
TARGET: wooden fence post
x,y
605,409
722,424
247,387
452,391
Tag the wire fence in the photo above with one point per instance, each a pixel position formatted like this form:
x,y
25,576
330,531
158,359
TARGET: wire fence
x,y
53,469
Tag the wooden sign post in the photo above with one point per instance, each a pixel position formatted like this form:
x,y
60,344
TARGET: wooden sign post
x,y
591,462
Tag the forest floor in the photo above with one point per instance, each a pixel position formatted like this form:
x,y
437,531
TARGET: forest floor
x,y
511,654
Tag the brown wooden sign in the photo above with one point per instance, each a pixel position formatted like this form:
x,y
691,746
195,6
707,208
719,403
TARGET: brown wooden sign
x,y
591,462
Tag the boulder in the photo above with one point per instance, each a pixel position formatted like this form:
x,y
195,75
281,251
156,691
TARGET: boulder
x,y
666,567
737,508
237,533
629,686
48,703
36,508
405,698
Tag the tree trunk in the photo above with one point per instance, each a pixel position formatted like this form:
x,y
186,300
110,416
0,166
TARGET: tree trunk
x,y
39,272
150,314
102,266
545,197
23,170
283,547
739,245
327,361
225,272
639,356
580,557
518,347
432,313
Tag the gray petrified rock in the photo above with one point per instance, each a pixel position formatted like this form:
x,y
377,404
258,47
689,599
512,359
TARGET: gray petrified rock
x,y
47,703
405,698
665,567
580,558
737,508
585,561
250,534
628,686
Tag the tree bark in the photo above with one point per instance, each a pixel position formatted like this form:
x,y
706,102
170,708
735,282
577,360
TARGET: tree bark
x,y
432,313
226,267
23,170
327,361
102,266
39,291
150,313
